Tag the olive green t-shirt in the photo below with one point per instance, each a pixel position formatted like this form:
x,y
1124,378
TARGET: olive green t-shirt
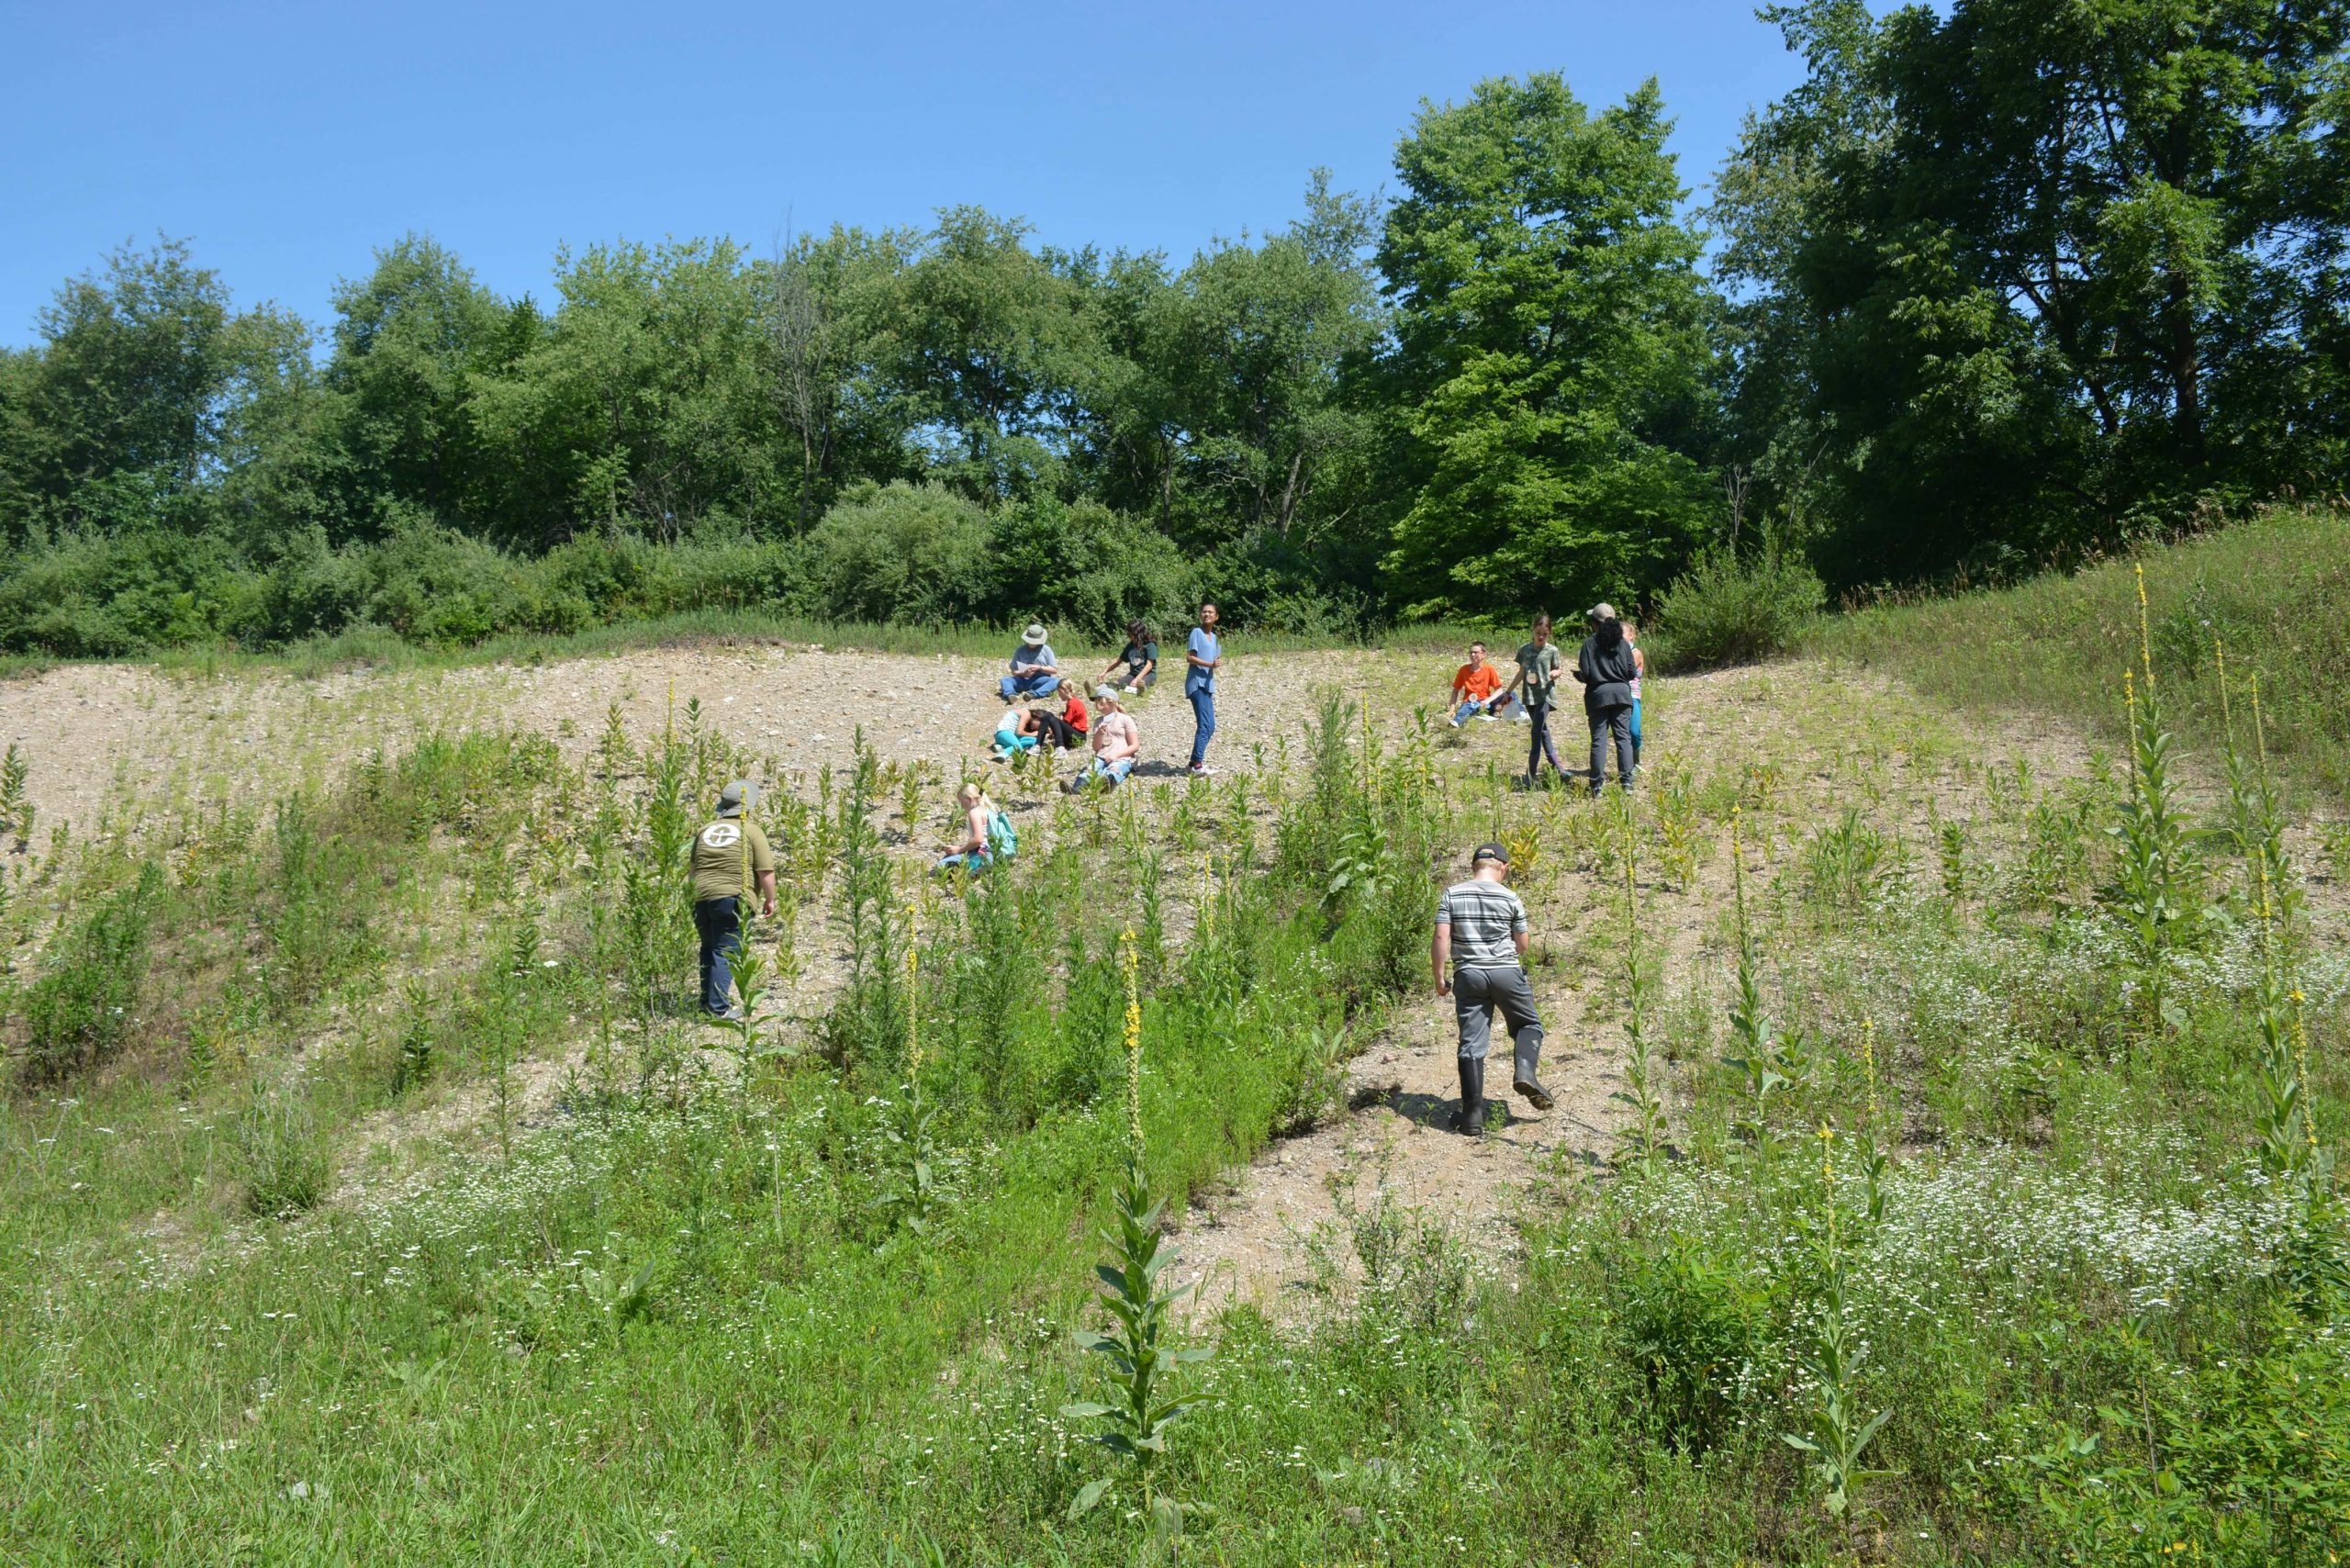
x,y
1541,667
717,858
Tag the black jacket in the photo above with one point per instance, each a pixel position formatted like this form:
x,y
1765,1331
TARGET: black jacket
x,y
1607,669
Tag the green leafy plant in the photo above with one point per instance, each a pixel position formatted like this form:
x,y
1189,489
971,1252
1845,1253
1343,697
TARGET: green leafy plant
x,y
15,799
1142,1348
1835,1433
1766,1061
1643,1140
412,1059
78,1012
2155,892
281,1156
911,1193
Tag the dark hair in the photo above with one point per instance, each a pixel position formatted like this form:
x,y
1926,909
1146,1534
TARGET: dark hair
x,y
1476,644
1137,632
1541,621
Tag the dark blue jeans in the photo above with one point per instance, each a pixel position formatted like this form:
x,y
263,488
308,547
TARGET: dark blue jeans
x,y
721,937
1203,714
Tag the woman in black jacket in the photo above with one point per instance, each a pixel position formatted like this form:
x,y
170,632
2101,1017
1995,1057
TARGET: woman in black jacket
x,y
1606,668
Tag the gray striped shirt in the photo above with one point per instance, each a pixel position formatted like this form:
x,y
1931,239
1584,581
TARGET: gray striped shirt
x,y
1486,918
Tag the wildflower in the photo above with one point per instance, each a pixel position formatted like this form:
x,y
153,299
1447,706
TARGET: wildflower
x,y
1131,962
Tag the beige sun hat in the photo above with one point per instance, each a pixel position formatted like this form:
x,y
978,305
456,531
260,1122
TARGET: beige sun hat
x,y
1035,635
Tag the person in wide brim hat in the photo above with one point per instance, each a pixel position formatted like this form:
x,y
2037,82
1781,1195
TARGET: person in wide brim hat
x,y
1036,672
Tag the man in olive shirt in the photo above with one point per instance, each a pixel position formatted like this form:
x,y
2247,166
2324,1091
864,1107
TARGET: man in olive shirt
x,y
730,858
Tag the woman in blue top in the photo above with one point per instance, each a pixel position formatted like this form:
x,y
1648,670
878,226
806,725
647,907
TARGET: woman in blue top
x,y
1199,662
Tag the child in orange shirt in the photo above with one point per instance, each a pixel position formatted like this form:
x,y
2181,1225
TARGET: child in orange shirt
x,y
1475,686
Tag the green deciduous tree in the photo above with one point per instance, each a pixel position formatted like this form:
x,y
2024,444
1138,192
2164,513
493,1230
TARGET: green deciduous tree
x,y
642,403
2028,276
409,341
1552,356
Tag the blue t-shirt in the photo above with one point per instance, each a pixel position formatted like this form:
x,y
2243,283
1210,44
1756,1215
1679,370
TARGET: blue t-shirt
x,y
1205,647
1041,654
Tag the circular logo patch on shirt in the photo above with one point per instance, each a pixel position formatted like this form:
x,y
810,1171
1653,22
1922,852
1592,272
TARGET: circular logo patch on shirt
x,y
721,835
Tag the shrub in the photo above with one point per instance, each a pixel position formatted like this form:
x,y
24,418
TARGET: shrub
x,y
1727,610
901,553
78,1014
1690,1324
1086,567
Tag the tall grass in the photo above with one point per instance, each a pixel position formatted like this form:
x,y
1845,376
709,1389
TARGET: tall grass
x,y
2275,590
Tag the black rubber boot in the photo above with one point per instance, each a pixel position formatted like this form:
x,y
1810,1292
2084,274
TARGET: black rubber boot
x,y
1471,1118
1529,1056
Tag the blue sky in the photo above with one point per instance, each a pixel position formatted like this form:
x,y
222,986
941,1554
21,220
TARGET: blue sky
x,y
288,141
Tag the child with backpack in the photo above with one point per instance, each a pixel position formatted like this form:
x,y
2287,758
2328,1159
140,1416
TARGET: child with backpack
x,y
988,833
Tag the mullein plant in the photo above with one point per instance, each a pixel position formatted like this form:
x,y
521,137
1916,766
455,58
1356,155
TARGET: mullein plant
x,y
1835,1433
1142,1348
913,1193
15,802
1875,1160
2154,891
1767,1062
1644,1140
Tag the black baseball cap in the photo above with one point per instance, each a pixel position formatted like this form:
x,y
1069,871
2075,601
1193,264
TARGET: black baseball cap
x,y
1490,852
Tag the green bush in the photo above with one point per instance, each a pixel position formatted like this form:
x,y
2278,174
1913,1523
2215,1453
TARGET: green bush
x,y
1726,610
900,553
79,1013
1692,1325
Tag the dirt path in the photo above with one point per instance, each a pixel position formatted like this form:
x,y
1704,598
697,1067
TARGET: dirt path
x,y
1282,1233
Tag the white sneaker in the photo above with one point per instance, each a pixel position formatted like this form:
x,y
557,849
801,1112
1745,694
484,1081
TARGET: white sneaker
x,y
1489,718
1202,771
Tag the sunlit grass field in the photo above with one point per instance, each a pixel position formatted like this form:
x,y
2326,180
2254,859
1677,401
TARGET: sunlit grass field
x,y
370,1193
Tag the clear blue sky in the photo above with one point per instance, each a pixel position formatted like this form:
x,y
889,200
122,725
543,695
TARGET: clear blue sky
x,y
288,141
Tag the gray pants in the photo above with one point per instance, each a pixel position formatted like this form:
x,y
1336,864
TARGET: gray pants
x,y
1477,992
1606,723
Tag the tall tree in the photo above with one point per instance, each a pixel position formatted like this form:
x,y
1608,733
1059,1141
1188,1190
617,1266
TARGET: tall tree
x,y
1553,348
826,302
2042,266
643,403
985,349
140,394
409,340
1256,344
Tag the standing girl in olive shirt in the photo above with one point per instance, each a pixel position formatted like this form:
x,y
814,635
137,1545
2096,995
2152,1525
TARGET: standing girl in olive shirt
x,y
1538,663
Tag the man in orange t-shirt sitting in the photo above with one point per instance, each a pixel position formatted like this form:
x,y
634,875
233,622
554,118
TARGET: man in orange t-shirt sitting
x,y
1476,687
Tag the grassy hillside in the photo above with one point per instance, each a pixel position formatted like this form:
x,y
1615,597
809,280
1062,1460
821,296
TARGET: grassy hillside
x,y
369,1193
2275,592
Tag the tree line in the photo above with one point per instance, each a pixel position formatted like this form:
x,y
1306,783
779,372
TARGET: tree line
x,y
1987,290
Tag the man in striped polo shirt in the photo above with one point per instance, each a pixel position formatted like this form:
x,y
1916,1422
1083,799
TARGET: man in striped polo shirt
x,y
1477,956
